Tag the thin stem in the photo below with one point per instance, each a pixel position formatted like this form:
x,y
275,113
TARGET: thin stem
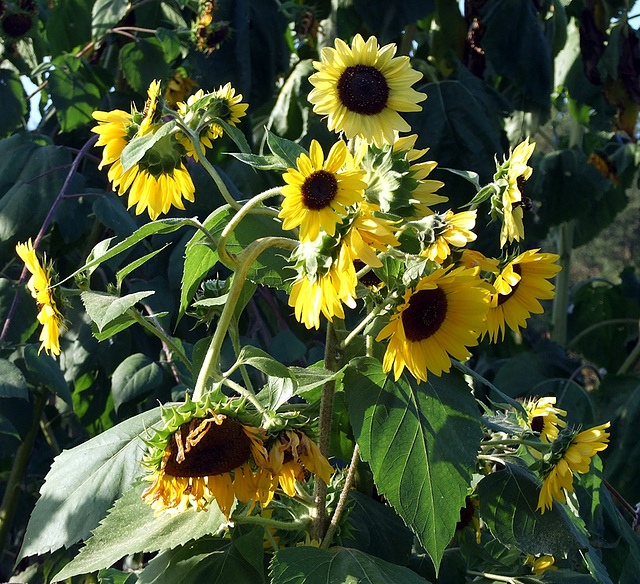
x,y
326,542
561,300
234,333
45,226
162,335
247,258
165,346
324,428
620,498
497,577
574,341
20,463
225,256
259,520
361,325
244,392
515,441
630,361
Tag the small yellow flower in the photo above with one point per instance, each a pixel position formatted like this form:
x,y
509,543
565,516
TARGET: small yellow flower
x,y
544,417
455,230
518,288
576,458
539,565
440,317
318,191
40,287
363,87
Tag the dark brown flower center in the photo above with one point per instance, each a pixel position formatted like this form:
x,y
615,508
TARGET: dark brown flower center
x,y
363,89
502,298
425,314
222,448
16,25
537,424
319,189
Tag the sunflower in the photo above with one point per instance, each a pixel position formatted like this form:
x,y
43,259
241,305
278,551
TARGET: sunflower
x,y
179,88
363,87
518,288
291,453
312,295
317,192
575,457
453,230
223,104
539,565
200,455
512,199
40,287
441,316
159,180
472,258
543,418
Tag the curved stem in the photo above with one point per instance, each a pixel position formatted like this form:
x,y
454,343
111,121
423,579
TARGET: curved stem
x,y
164,338
361,325
630,360
597,325
258,520
247,257
326,542
246,393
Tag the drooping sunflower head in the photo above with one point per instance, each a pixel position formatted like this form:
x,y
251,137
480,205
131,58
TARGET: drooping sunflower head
x,y
202,111
41,285
202,454
453,230
439,319
363,87
519,287
319,191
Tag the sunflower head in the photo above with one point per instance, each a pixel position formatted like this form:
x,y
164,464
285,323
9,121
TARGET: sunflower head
x,y
17,19
41,284
179,88
544,418
152,113
363,88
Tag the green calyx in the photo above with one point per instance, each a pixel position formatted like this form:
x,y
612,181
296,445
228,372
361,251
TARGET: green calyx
x,y
163,157
558,448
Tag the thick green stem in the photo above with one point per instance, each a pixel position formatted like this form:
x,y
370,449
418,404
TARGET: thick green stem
x,y
20,463
266,522
158,332
324,428
564,236
517,442
247,258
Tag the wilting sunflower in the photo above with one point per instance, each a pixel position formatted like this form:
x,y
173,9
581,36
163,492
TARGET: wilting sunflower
x,y
159,180
178,89
453,230
512,198
440,317
544,417
519,287
201,455
324,293
40,287
576,451
291,453
539,565
318,191
223,104
363,87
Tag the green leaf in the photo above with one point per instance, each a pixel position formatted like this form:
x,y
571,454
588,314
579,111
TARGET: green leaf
x,y
12,381
104,308
112,576
235,134
106,14
136,376
83,483
250,355
284,149
47,372
211,560
137,148
68,25
269,162
142,62
14,102
110,211
124,272
152,228
312,565
508,501
170,41
199,259
75,92
131,527
421,441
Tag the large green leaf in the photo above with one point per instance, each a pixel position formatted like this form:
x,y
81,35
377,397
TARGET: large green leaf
x,y
12,381
104,309
211,560
83,483
131,527
14,102
69,25
421,441
508,501
142,62
311,565
136,376
106,14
